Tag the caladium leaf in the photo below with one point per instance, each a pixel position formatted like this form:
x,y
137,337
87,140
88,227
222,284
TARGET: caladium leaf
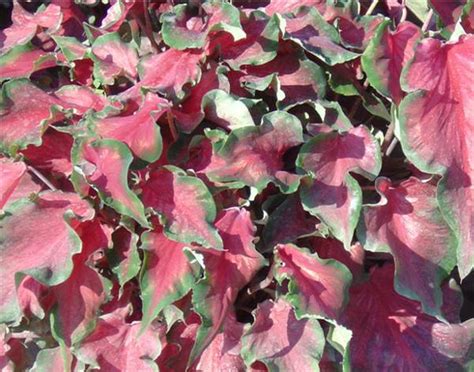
x,y
116,345
358,32
386,54
252,156
333,195
223,353
316,287
411,340
296,79
259,46
26,111
435,129
123,258
38,253
70,47
185,205
168,275
181,29
287,223
10,173
448,11
190,113
24,60
170,71
309,29
104,165
81,295
113,58
225,110
26,25
138,129
227,272
54,154
408,223
290,6
52,359
281,341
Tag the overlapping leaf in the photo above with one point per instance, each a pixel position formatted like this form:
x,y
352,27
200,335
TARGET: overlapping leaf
x,y
436,125
409,224
333,195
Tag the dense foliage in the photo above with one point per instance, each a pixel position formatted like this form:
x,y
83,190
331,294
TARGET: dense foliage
x,y
281,185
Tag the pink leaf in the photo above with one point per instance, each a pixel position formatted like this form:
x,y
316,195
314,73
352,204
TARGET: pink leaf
x,y
317,287
44,256
80,296
223,353
437,130
112,58
170,71
333,195
138,130
26,112
381,319
281,341
252,156
104,165
385,56
117,346
185,205
10,174
408,223
167,276
226,273
25,25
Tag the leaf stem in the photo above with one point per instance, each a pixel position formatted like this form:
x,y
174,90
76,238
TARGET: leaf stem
x,y
372,7
41,177
148,28
427,21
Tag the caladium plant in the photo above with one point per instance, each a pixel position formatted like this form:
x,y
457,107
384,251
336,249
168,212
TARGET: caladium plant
x,y
217,185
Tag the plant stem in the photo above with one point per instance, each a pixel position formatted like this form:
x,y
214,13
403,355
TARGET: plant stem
x,y
388,137
41,177
372,7
427,21
148,28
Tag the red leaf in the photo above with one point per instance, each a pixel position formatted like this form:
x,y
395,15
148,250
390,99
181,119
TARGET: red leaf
x,y
138,130
259,46
26,111
226,273
54,154
252,156
117,346
112,58
23,60
80,296
409,224
185,204
334,196
281,341
189,113
25,25
287,223
10,174
317,287
436,130
385,56
223,353
104,164
44,256
170,71
381,319
300,79
167,275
